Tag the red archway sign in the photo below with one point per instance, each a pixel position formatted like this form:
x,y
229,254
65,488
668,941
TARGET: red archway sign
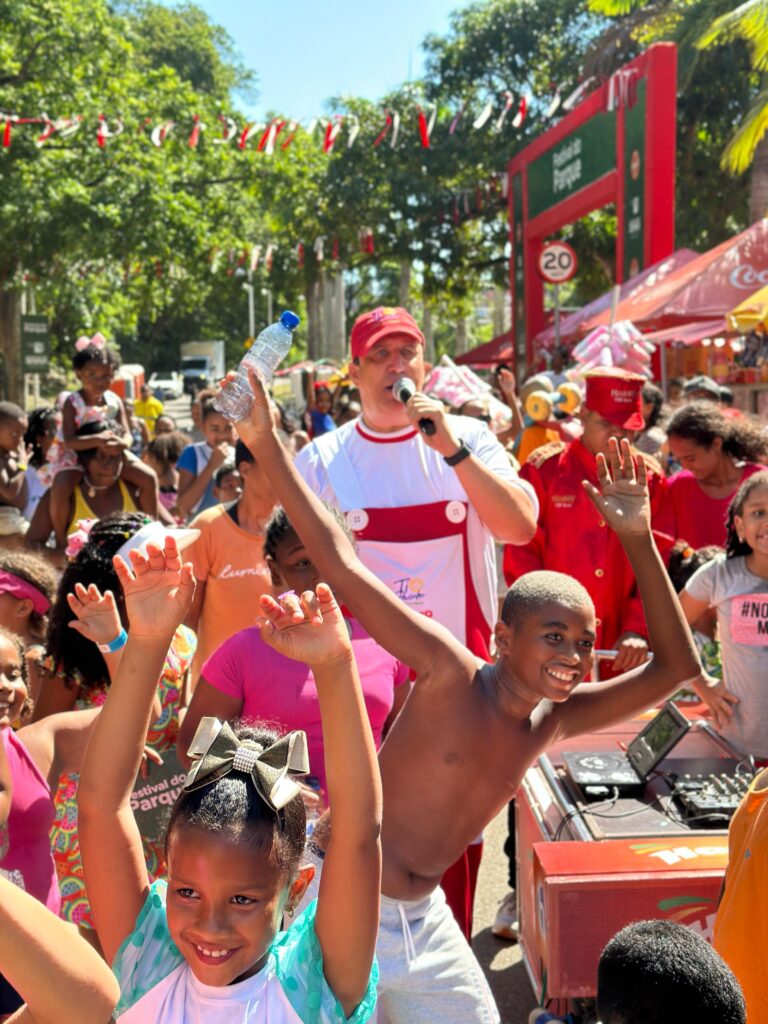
x,y
618,146
557,262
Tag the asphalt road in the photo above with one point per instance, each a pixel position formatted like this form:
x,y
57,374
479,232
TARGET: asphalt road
x,y
501,961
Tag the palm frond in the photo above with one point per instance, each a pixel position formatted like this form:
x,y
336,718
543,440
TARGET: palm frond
x,y
614,8
749,22
740,150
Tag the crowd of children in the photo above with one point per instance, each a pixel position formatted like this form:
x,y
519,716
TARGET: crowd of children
x,y
298,878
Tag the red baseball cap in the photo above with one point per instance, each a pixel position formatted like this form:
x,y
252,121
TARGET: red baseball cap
x,y
380,322
617,396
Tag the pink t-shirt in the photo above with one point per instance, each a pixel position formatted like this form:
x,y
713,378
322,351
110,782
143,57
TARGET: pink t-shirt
x,y
280,691
30,821
698,518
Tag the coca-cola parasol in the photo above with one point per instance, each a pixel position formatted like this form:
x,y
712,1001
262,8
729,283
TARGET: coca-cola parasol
x,y
704,289
751,313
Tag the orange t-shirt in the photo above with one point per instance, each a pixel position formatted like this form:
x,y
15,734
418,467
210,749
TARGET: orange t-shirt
x,y
534,437
231,563
741,925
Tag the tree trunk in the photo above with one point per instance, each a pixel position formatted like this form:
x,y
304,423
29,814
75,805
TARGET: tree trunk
x,y
404,288
10,346
758,182
335,318
461,336
313,320
429,338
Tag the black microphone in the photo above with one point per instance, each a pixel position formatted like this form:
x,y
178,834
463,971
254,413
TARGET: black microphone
x,y
403,390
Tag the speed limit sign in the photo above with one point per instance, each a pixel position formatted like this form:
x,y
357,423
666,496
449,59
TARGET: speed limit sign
x,y
557,262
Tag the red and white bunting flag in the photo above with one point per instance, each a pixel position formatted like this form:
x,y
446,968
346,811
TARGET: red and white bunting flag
x,y
104,132
331,134
267,140
248,132
161,132
522,110
300,254
426,125
319,248
198,126
484,115
508,101
290,134
268,256
229,131
354,129
554,105
578,94
63,126
456,118
393,123
335,250
255,255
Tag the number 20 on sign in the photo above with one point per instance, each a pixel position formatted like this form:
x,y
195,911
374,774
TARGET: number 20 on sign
x,y
557,262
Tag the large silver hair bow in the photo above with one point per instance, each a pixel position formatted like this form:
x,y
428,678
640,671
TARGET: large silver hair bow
x,y
216,752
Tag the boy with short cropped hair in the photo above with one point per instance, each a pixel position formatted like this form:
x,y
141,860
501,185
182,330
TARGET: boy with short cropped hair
x,y
660,972
13,488
469,730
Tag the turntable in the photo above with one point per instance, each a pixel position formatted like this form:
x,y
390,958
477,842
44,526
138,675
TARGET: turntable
x,y
629,773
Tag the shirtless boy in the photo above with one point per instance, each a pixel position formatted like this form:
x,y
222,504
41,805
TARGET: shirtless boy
x,y
469,730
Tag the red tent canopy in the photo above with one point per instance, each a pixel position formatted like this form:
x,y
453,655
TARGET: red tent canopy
x,y
706,288
570,326
693,333
498,350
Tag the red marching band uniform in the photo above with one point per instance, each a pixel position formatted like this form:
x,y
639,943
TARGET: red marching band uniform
x,y
571,537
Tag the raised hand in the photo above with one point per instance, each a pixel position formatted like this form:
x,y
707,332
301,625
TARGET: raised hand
x,y
97,616
622,498
158,590
309,628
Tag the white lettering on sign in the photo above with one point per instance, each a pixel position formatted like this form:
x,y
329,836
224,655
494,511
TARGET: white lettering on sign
x,y
681,853
745,276
566,166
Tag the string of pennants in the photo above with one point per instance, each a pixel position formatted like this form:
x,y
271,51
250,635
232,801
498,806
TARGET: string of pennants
x,y
338,130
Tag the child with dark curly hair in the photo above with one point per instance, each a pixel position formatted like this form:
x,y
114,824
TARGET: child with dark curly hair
x,y
81,657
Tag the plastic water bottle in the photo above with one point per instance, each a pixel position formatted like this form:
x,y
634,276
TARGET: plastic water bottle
x,y
264,355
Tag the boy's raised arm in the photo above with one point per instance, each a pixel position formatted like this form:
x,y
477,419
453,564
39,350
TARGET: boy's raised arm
x,y
412,638
623,501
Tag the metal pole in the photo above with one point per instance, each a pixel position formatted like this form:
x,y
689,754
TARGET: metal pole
x,y
269,305
557,316
251,310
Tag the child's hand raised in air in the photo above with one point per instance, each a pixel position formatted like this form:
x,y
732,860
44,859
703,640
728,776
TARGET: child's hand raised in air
x,y
309,628
158,590
97,616
622,499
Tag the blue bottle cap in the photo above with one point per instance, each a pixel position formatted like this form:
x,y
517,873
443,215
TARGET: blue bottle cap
x,y
290,320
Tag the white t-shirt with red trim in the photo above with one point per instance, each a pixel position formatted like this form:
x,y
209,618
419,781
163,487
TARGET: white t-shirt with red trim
x,y
358,470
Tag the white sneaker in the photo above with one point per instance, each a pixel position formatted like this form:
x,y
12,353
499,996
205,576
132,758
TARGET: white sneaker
x,y
506,924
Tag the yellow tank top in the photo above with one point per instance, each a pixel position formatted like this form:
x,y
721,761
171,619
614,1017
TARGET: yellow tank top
x,y
84,511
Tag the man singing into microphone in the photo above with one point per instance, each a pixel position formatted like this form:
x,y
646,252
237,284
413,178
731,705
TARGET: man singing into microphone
x,y
424,506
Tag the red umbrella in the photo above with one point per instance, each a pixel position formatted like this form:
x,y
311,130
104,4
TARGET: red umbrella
x,y
570,326
704,289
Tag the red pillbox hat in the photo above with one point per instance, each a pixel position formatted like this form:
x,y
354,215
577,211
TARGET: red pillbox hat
x,y
380,322
617,396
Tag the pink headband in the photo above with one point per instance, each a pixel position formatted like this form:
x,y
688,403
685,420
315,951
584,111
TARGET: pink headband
x,y
84,342
10,584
